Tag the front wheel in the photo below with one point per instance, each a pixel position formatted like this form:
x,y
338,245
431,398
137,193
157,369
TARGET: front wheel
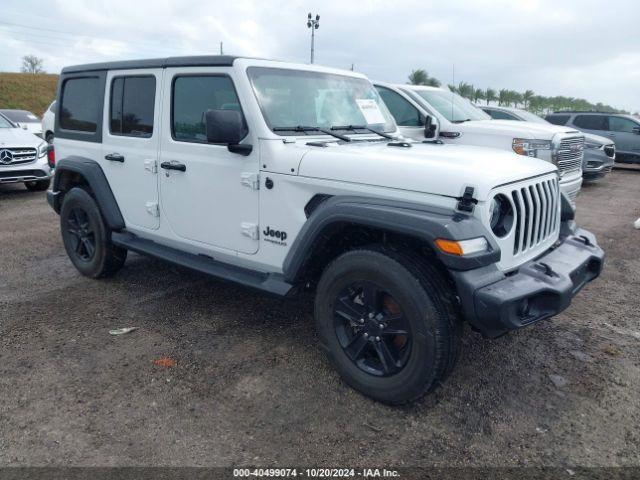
x,y
86,238
388,324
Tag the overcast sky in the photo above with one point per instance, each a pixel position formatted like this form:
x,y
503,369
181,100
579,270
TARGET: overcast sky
x,y
576,48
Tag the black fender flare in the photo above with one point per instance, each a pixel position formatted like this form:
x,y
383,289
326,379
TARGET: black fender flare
x,y
92,172
420,221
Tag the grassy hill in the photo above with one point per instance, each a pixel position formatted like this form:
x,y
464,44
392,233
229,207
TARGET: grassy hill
x,y
27,91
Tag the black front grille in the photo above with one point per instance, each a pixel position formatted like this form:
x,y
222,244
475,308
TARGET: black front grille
x,y
17,156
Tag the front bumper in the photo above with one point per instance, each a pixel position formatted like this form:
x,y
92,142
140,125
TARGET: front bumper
x,y
495,303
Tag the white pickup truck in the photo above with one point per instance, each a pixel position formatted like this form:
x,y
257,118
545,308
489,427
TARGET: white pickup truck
x,y
451,118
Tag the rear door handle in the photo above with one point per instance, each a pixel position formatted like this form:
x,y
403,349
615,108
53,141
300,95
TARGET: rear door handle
x,y
181,167
114,157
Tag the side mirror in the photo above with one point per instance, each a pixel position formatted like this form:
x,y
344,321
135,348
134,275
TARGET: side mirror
x,y
227,127
429,127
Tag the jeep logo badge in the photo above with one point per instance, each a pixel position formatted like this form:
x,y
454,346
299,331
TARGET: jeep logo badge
x,y
275,236
6,157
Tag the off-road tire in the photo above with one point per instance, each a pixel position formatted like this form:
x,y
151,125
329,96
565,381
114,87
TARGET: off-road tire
x,y
105,259
429,303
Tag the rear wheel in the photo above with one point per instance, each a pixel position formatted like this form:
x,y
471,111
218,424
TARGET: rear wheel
x,y
86,238
389,326
38,185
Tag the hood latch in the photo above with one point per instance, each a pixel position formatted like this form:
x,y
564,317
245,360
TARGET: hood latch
x,y
467,202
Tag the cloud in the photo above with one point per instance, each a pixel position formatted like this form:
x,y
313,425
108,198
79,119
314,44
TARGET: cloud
x,y
578,48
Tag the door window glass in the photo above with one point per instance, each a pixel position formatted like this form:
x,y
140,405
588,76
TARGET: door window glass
x,y
132,106
80,107
406,115
620,124
591,122
193,95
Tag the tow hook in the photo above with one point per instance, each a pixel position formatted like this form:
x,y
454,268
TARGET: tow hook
x,y
584,239
545,268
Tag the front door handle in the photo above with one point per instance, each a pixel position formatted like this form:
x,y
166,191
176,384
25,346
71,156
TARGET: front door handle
x,y
114,157
181,167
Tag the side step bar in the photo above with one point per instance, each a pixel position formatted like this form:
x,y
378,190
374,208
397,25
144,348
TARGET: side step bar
x,y
270,282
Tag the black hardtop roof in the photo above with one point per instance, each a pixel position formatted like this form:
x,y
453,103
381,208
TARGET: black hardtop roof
x,y
191,61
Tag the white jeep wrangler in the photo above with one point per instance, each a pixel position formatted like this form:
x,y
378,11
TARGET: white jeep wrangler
x,y
285,177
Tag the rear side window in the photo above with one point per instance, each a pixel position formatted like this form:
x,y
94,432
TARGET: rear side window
x,y
405,114
591,122
558,119
620,124
132,106
80,107
193,95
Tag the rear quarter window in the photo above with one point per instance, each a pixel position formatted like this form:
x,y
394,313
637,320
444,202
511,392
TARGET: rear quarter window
x,y
80,105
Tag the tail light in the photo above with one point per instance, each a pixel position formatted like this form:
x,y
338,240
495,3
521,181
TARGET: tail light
x,y
51,156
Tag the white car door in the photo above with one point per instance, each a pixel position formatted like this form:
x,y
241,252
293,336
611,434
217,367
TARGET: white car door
x,y
211,198
130,142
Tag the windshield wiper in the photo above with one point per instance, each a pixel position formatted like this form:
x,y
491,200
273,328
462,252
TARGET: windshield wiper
x,y
301,128
461,121
363,127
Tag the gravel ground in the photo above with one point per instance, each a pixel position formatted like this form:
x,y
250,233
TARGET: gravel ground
x,y
250,386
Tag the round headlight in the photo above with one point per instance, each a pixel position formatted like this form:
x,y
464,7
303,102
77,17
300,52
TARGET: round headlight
x,y
500,215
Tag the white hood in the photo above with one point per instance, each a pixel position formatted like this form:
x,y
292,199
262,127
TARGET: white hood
x,y
427,168
589,137
17,137
539,131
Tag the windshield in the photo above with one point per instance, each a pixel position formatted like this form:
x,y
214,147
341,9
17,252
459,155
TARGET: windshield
x,y
452,106
4,123
21,116
295,98
531,117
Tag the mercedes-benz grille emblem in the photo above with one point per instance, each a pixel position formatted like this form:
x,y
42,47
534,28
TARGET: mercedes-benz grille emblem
x,y
6,157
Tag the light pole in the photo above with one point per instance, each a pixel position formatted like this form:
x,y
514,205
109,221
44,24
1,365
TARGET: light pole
x,y
313,24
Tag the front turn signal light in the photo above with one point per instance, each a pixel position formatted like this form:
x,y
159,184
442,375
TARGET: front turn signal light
x,y
463,247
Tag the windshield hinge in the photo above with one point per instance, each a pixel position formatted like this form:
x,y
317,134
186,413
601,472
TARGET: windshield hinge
x,y
251,180
250,230
467,202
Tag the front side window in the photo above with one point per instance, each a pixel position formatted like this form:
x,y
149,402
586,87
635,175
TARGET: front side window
x,y
591,122
451,106
80,106
132,106
193,95
621,124
500,115
298,98
405,114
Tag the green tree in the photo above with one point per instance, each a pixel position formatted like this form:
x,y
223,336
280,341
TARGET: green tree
x,y
526,97
421,77
503,97
490,95
452,88
478,94
465,90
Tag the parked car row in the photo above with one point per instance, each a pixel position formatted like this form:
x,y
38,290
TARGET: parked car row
x,y
287,177
599,152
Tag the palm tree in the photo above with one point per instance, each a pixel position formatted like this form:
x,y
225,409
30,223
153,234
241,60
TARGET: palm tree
x,y
465,90
452,88
526,97
421,77
503,97
516,97
478,94
490,95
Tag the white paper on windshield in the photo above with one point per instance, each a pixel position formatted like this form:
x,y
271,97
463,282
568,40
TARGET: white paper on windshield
x,y
370,110
32,116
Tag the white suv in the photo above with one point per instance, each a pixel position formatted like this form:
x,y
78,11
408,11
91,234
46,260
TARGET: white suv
x,y
286,177
454,119
23,157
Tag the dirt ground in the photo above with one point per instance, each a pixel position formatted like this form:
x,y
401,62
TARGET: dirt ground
x,y
250,386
